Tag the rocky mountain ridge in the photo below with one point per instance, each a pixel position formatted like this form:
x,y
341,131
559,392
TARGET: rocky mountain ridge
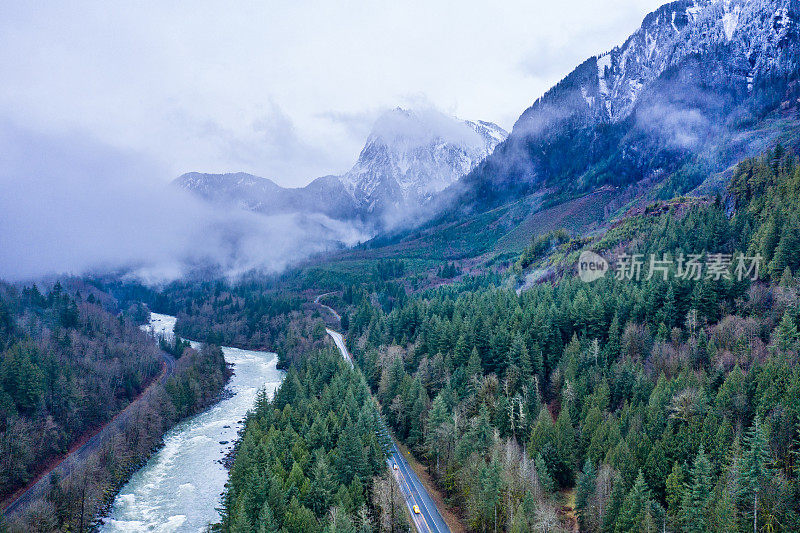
x,y
409,156
694,84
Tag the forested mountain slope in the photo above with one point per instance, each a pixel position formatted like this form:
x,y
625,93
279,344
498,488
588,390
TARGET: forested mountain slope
x,y
662,403
68,365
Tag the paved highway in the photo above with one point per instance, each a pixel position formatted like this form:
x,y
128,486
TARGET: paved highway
x,y
428,520
329,309
339,341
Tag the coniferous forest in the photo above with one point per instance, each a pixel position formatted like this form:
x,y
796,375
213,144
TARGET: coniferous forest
x,y
653,404
620,405
72,358
310,459
616,406
242,291
647,403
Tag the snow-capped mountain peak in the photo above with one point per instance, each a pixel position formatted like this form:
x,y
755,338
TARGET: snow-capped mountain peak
x,y
688,84
412,154
734,28
409,156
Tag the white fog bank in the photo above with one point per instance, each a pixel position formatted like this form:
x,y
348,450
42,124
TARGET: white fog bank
x,y
70,204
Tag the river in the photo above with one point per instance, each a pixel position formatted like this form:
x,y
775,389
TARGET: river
x,y
179,488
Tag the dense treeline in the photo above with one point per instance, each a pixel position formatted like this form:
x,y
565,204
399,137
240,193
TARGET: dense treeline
x,y
660,404
200,376
310,460
76,501
767,191
70,362
247,315
540,246
237,316
67,365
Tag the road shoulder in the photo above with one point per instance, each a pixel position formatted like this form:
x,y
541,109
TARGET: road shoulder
x,y
450,517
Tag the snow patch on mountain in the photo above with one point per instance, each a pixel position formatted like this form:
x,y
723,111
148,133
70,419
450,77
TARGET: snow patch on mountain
x,y
693,11
409,156
730,20
412,154
603,63
737,30
238,189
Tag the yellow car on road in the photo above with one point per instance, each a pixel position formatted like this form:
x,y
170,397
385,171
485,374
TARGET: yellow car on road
x,y
416,509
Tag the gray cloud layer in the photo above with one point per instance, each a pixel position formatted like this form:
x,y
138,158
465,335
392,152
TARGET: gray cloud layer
x,y
102,103
70,204
279,89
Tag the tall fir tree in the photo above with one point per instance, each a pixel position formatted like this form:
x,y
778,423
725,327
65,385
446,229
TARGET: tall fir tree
x,y
755,471
675,489
697,495
584,490
635,513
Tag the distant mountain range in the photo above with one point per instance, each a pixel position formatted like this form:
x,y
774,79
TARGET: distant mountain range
x,y
698,87
409,156
325,195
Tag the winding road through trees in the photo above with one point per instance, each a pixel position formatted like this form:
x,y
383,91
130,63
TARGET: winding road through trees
x,y
416,496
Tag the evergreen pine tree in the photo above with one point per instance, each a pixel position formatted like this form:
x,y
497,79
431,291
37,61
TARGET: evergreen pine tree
x,y
350,455
786,335
771,236
670,309
462,352
697,494
565,441
728,493
437,430
786,254
675,488
545,478
537,360
489,499
266,520
518,353
543,431
474,364
615,503
656,467
240,522
755,465
636,508
322,486
614,344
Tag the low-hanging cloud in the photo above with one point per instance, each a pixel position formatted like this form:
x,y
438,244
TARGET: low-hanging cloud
x,y
422,126
683,128
70,204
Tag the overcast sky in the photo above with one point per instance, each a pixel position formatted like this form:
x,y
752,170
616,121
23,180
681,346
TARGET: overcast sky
x,y
285,90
